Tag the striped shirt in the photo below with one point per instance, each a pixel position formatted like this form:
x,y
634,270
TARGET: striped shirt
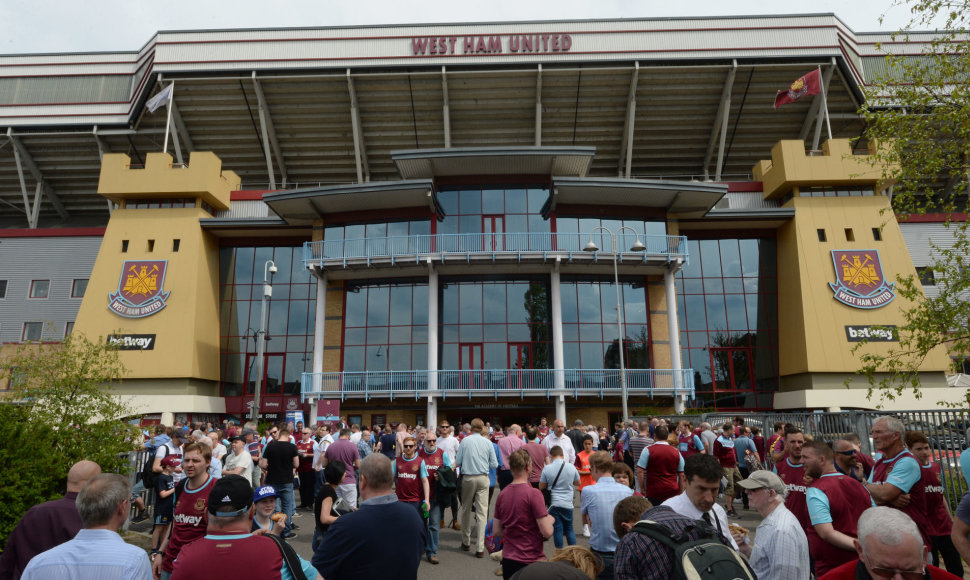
x,y
94,555
780,549
598,502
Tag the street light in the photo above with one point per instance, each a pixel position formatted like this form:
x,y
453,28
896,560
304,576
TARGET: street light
x,y
268,270
636,247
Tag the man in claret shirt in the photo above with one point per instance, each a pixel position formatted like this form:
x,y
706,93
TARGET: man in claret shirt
x,y
835,504
724,451
790,469
897,473
938,520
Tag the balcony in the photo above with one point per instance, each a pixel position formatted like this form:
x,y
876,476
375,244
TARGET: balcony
x,y
488,247
497,382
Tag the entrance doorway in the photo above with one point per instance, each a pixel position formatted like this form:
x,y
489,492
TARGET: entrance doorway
x,y
470,359
493,226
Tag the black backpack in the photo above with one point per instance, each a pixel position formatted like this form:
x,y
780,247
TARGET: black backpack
x,y
705,558
148,476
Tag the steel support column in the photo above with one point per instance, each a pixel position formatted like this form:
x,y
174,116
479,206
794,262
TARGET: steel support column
x,y
720,125
270,139
360,153
26,158
319,319
626,148
538,139
446,112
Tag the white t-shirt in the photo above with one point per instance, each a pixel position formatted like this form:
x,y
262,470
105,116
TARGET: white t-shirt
x,y
449,445
244,460
355,437
219,451
169,449
319,448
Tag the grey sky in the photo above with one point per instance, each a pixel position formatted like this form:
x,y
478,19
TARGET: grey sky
x,y
32,26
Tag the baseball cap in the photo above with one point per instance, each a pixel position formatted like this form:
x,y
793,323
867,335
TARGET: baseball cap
x,y
763,478
265,492
182,432
230,491
237,438
170,461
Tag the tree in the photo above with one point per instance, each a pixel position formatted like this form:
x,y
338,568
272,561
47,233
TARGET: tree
x,y
917,116
59,410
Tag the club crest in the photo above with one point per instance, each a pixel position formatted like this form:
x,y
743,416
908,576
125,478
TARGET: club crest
x,y
860,282
140,289
798,89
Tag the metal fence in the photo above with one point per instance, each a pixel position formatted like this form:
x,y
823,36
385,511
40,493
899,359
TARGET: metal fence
x,y
947,432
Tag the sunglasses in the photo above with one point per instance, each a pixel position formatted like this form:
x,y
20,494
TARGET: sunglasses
x,y
850,452
430,440
409,446
880,572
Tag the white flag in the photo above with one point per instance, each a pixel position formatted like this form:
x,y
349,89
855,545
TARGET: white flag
x,y
160,99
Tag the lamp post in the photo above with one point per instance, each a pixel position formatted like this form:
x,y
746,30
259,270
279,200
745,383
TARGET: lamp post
x,y
637,247
268,270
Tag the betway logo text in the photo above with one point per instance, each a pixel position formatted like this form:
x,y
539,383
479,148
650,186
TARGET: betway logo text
x,y
799,488
184,519
407,475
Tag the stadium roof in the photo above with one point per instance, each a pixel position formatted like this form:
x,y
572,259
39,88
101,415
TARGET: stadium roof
x,y
660,99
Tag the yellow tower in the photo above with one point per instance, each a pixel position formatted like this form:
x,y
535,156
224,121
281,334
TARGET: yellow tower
x,y
154,287
837,263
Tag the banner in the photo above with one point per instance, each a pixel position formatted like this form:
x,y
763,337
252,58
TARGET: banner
x,y
328,412
808,84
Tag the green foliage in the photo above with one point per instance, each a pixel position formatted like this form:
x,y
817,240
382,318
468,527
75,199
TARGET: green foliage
x,y
60,411
918,114
23,455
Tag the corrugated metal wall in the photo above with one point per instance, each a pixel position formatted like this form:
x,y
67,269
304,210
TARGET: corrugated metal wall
x,y
60,260
920,239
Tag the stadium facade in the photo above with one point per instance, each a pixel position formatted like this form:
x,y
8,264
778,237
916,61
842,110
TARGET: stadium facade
x,y
506,220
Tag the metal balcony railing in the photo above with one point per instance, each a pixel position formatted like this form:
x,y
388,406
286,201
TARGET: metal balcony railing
x,y
519,246
495,382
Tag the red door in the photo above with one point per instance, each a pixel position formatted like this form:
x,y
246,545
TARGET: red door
x,y
470,360
733,376
493,228
520,363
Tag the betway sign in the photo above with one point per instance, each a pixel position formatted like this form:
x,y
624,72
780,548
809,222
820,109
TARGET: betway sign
x,y
132,341
491,44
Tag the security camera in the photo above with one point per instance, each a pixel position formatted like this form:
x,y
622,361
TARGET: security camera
x,y
272,269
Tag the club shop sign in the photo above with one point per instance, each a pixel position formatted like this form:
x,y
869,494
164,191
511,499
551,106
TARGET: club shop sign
x,y
490,44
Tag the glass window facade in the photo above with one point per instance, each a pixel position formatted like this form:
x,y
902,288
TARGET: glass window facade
x,y
589,326
289,336
728,304
376,238
510,215
495,324
385,326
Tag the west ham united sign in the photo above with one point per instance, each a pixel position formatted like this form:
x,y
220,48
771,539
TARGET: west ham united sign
x,y
860,282
140,289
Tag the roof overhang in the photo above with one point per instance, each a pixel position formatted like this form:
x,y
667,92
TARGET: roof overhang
x,y
250,228
684,198
430,163
303,206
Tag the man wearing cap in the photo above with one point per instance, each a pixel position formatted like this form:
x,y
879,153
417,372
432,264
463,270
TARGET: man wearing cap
x,y
255,450
780,550
239,462
97,552
279,460
229,549
353,550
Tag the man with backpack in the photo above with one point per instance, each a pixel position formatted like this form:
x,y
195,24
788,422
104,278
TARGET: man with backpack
x,y
663,545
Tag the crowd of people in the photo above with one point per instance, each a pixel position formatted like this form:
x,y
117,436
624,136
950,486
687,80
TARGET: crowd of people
x,y
225,502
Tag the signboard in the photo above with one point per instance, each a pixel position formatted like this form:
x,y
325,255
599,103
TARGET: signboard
x,y
132,341
295,417
141,289
860,282
478,44
872,333
328,412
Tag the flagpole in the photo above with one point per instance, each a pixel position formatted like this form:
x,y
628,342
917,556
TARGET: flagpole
x,y
168,120
825,102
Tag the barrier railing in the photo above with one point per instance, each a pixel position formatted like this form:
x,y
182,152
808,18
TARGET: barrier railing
x,y
493,382
519,245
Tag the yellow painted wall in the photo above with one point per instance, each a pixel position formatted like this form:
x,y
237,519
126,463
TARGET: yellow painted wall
x,y
659,334
811,321
187,328
791,165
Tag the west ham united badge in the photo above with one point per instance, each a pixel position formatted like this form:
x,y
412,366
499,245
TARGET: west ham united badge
x,y
140,289
860,282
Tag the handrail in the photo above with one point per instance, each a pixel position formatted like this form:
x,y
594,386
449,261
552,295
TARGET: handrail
x,y
508,243
496,381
